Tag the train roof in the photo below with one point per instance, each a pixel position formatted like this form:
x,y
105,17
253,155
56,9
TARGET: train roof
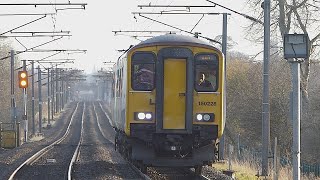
x,y
173,39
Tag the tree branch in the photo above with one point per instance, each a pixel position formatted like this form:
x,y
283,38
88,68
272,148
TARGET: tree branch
x,y
289,21
302,26
282,17
315,39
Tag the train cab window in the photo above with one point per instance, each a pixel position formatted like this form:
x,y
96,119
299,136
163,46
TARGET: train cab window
x,y
206,73
143,71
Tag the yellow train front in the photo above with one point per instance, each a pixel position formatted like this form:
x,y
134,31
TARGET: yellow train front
x,y
168,102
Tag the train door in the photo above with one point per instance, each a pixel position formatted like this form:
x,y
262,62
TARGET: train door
x,y
174,93
174,87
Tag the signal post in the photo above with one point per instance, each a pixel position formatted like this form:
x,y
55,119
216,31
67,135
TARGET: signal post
x,y
296,50
23,83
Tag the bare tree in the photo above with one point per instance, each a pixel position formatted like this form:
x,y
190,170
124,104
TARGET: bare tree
x,y
5,81
244,97
291,16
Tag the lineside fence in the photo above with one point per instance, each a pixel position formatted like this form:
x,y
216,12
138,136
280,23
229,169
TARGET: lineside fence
x,y
242,154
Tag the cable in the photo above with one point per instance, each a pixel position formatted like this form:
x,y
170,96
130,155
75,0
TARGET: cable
x,y
244,15
157,16
180,29
197,23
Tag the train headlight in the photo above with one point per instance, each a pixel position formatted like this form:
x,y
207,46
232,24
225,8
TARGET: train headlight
x,y
148,116
206,117
140,116
199,117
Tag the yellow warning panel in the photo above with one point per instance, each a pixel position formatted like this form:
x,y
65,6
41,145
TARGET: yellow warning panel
x,y
8,139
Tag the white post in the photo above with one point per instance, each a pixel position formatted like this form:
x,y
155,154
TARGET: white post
x,y
295,68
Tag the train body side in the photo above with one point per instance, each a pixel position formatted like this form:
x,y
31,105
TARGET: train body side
x,y
118,102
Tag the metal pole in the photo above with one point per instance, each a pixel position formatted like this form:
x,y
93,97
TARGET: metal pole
x,y
224,51
32,105
295,68
57,91
105,90
239,151
275,160
52,93
229,156
25,117
265,103
62,94
40,99
60,90
13,103
97,83
48,82
66,92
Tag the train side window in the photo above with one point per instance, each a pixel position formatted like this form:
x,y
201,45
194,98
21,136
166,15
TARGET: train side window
x,y
206,73
143,71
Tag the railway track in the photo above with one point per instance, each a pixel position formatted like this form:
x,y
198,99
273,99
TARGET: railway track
x,y
83,152
55,161
159,172
86,151
127,167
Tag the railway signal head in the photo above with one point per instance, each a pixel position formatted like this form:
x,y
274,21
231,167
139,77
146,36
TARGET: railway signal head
x,y
23,79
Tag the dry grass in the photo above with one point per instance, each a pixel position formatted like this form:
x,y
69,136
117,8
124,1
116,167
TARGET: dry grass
x,y
286,174
243,171
38,137
249,171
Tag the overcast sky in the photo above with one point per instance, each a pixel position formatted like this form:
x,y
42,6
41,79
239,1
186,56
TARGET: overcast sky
x,y
92,28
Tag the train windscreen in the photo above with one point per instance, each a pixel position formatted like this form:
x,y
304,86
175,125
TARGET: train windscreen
x,y
206,73
143,72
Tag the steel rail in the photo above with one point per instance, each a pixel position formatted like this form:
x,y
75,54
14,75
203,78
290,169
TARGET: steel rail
x,y
200,176
43,151
77,151
100,129
205,178
106,114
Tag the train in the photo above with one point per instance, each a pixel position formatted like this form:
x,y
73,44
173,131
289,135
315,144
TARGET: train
x,y
168,102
